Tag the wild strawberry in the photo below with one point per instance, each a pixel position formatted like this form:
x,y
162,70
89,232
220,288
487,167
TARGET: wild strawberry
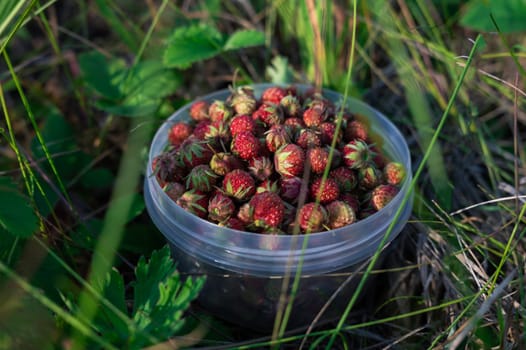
x,y
260,167
194,152
201,178
356,129
313,117
382,195
239,184
289,160
326,191
223,163
168,168
201,129
289,188
245,145
378,158
219,110
312,217
273,94
220,207
394,173
241,123
345,178
340,214
357,154
318,158
268,209
217,133
328,133
295,124
317,101
308,138
351,199
179,132
291,106
174,190
234,224
242,100
277,136
199,111
369,177
269,114
194,202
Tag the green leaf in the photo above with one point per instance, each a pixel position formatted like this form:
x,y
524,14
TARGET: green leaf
x,y
191,44
509,15
244,38
16,215
279,71
98,73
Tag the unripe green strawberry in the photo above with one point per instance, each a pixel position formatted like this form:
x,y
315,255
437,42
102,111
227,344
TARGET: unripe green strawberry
x,y
289,160
239,184
199,111
273,95
277,136
268,209
340,214
224,162
261,167
394,173
345,178
291,106
243,101
356,129
290,188
369,177
325,191
179,132
174,190
219,110
220,207
312,217
357,154
194,202
308,138
382,195
318,158
201,178
241,123
245,145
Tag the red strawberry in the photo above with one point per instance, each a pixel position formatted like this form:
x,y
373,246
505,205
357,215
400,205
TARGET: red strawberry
x,y
312,217
318,158
394,173
295,124
199,111
220,207
174,190
179,132
201,178
290,188
357,154
345,177
242,123
382,195
219,110
194,152
273,94
327,191
356,129
308,138
242,100
245,145
269,114
261,167
268,209
291,106
277,136
239,184
313,117
369,177
223,162
201,129
289,160
328,133
194,202
340,214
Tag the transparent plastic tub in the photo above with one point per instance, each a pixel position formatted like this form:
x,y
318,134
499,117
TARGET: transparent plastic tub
x,y
245,270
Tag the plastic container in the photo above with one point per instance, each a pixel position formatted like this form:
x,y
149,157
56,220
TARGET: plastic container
x,y
245,270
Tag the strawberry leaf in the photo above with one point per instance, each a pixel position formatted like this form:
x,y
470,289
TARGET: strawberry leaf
x,y
244,38
16,215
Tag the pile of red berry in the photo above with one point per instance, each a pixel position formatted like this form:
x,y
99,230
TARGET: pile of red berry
x,y
247,163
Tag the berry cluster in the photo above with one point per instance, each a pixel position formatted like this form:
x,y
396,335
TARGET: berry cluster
x,y
244,163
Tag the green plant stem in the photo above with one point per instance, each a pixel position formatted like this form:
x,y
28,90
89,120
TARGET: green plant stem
x,y
407,196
